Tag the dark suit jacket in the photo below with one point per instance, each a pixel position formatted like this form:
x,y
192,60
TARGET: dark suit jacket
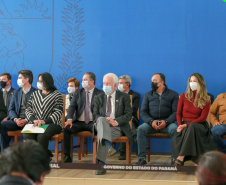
x,y
77,104
9,96
3,110
135,105
13,179
123,111
14,106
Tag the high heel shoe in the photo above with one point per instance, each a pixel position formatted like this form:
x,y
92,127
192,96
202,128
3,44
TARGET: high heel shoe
x,y
179,162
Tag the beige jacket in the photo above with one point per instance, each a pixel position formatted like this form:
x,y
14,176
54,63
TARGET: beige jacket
x,y
218,108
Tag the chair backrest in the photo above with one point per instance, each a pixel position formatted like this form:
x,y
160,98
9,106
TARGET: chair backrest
x,y
63,115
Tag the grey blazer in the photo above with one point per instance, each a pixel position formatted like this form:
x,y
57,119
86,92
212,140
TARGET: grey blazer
x,y
123,111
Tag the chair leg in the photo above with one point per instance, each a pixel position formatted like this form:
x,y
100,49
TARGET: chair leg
x,y
79,148
83,144
94,150
56,150
71,151
62,150
149,148
86,143
15,139
128,157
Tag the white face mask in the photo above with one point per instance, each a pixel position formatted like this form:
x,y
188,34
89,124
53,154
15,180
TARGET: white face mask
x,y
85,84
39,85
71,90
20,82
120,87
193,86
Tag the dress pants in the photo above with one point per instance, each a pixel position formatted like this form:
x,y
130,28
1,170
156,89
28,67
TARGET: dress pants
x,y
5,127
105,132
122,146
77,126
43,139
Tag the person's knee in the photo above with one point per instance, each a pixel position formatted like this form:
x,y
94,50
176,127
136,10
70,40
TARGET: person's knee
x,y
172,129
142,129
101,119
215,131
100,122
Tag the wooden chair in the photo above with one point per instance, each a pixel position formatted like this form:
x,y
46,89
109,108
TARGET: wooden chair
x,y
122,139
158,136
82,143
58,138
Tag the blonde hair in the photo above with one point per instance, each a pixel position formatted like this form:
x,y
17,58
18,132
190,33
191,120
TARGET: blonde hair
x,y
201,97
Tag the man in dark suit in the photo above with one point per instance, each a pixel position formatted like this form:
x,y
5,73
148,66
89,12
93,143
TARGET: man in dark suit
x,y
3,110
5,83
124,86
80,112
112,113
17,106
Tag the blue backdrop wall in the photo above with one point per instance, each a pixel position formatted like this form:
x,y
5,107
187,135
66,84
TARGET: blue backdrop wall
x,y
134,37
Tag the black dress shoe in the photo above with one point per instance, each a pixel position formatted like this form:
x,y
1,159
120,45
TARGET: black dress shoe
x,y
101,172
122,156
141,161
67,159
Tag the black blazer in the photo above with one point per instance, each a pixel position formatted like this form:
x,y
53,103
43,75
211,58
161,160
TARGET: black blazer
x,y
135,105
9,96
123,111
77,104
3,110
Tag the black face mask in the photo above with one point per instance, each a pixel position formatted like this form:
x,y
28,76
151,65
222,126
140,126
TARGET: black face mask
x,y
2,84
154,86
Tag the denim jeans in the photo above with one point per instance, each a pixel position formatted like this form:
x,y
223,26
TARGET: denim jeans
x,y
145,129
218,131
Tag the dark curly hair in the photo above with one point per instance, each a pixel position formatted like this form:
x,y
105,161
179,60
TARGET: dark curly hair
x,y
48,81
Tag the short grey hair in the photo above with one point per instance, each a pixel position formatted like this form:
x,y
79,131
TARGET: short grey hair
x,y
127,78
114,76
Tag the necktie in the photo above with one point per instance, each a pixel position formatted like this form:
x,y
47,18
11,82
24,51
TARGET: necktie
x,y
108,113
87,119
5,97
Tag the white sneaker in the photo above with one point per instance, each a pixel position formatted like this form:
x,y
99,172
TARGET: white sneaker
x,y
111,151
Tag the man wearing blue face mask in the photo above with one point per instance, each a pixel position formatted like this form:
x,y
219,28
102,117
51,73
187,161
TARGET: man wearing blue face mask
x,y
80,111
17,117
112,113
158,111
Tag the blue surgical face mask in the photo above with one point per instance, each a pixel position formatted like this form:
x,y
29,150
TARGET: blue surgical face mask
x,y
107,89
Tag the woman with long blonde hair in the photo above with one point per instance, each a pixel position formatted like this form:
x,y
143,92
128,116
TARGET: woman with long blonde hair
x,y
193,136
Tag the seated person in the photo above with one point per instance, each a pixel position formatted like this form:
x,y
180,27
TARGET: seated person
x,y
24,163
193,137
80,112
158,111
17,117
218,120
112,113
73,84
45,107
5,83
3,110
211,169
124,86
